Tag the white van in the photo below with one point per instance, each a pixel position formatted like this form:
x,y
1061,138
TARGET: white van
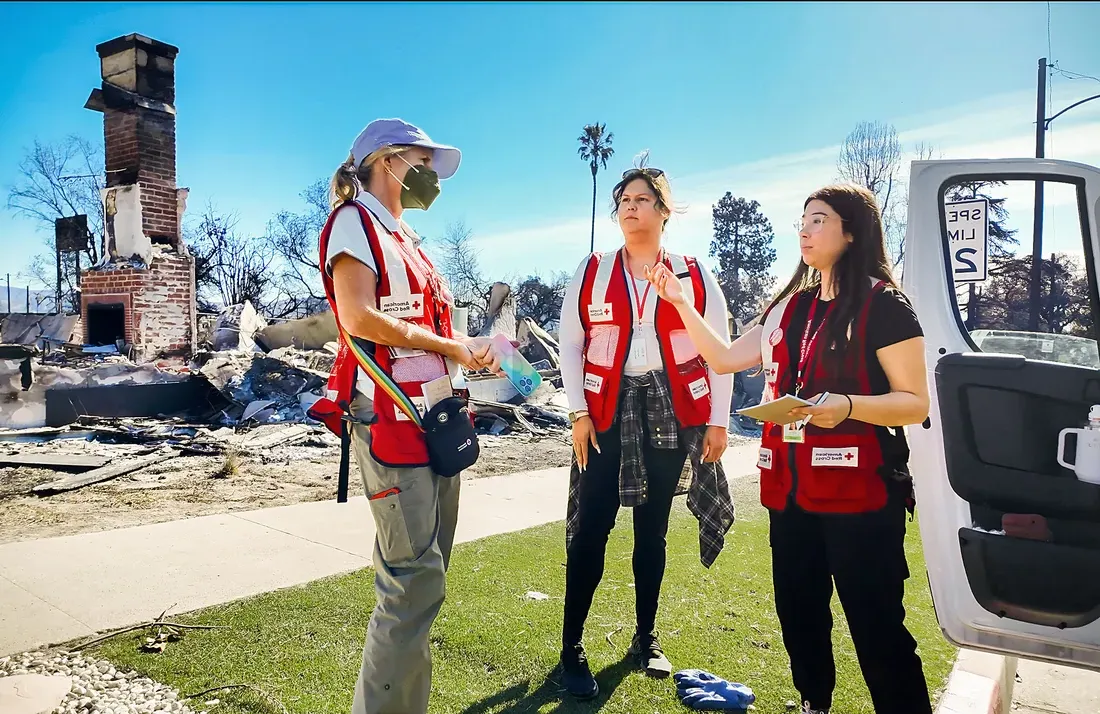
x,y
1011,538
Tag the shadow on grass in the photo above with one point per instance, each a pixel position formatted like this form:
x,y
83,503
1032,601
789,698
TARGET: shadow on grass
x,y
521,699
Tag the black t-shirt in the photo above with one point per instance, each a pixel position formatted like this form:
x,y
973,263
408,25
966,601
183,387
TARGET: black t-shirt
x,y
891,320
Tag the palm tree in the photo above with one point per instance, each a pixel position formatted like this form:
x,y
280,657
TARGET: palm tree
x,y
596,149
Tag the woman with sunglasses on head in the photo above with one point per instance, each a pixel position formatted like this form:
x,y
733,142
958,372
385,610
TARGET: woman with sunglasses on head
x,y
844,336
649,419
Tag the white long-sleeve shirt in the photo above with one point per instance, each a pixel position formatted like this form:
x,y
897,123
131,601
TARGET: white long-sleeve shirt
x,y
571,340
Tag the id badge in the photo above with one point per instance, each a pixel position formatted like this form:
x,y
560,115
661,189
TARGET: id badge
x,y
794,433
637,351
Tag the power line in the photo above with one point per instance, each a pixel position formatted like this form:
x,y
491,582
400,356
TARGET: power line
x,y
1050,82
1049,53
1050,110
1073,75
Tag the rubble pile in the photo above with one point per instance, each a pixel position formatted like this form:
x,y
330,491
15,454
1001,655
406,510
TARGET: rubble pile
x,y
262,388
236,327
247,389
24,383
40,331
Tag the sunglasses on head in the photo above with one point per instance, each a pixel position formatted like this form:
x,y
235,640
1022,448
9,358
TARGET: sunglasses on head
x,y
652,173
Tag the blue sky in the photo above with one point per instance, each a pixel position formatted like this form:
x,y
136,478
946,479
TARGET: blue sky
x,y
751,98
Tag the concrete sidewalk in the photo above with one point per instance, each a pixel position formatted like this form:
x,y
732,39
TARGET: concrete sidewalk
x,y
57,589
1050,689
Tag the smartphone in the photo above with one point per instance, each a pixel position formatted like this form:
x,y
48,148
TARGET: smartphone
x,y
515,367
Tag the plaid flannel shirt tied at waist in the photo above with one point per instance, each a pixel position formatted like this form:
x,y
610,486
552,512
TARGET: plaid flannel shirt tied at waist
x,y
645,412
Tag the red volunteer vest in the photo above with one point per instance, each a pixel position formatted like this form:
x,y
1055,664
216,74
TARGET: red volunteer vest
x,y
408,289
835,470
607,315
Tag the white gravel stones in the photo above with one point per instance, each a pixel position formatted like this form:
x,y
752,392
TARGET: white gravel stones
x,y
97,687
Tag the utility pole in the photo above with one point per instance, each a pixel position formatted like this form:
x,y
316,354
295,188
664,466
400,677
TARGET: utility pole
x,y
58,304
1035,286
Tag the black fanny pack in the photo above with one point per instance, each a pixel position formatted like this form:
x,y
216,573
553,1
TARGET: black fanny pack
x,y
452,441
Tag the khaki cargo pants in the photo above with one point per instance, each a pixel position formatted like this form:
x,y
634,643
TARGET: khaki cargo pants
x,y
416,530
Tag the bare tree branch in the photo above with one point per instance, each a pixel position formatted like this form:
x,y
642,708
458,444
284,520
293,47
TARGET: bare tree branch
x,y
231,268
57,181
872,157
294,237
459,262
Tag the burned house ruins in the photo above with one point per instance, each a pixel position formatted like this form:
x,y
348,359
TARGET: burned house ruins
x,y
143,292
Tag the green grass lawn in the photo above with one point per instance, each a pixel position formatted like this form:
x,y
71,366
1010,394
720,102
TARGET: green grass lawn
x,y
494,650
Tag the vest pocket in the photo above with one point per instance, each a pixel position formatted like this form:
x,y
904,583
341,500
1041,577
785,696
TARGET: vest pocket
x,y
839,473
683,349
693,368
833,488
422,368
693,376
602,341
774,476
397,442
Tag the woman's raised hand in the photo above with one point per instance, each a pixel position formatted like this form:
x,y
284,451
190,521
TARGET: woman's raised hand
x,y
667,285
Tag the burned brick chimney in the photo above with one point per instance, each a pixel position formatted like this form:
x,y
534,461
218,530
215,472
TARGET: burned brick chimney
x,y
143,291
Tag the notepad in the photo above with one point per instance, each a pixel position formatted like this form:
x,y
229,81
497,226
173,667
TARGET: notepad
x,y
776,411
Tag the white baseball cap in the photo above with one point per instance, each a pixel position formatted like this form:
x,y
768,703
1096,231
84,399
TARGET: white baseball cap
x,y
381,133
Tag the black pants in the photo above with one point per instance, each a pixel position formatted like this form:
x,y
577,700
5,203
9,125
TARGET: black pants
x,y
599,504
864,554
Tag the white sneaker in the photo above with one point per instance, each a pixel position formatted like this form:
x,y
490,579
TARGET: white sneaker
x,y
806,709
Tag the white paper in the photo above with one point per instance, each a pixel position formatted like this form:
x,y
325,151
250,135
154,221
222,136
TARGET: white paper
x,y
776,410
437,390
406,352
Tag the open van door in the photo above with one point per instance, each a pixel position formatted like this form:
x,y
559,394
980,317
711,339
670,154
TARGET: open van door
x,y
1011,538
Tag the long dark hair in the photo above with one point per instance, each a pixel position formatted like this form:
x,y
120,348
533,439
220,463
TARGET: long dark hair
x,y
865,258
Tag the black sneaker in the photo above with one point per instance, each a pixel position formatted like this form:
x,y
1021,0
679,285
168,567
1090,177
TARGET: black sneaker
x,y
576,676
646,650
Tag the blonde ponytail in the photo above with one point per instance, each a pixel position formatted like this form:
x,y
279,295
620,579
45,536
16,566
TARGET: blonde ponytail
x,y
345,183
350,179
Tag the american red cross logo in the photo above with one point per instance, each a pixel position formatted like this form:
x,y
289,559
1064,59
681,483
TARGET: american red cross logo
x,y
849,456
606,311
416,305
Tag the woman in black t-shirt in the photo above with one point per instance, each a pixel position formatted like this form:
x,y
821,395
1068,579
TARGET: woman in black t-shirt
x,y
834,476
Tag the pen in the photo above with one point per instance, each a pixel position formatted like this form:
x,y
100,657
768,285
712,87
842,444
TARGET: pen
x,y
819,402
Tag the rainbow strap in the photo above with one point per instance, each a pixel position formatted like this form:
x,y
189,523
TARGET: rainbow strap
x,y
379,377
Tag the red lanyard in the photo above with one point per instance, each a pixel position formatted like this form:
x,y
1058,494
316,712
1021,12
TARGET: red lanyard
x,y
808,342
639,302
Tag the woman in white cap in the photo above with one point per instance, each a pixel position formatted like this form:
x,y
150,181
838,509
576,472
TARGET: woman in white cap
x,y
385,291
